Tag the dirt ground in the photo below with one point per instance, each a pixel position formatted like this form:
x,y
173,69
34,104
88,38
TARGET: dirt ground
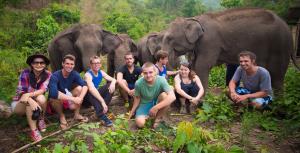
x,y
14,134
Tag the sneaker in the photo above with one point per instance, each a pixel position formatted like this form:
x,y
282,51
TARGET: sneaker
x,y
42,125
36,135
107,121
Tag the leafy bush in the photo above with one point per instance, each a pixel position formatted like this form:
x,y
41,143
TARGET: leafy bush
x,y
217,77
11,64
216,108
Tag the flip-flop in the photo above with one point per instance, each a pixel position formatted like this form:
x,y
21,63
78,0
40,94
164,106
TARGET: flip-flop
x,y
83,119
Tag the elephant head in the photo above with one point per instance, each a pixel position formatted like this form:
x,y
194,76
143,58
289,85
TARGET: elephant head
x,y
116,59
181,39
148,46
82,41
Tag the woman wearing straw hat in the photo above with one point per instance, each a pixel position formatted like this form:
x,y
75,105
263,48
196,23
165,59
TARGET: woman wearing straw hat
x,y
30,99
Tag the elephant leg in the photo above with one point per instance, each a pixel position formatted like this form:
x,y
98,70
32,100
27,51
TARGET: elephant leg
x,y
110,65
202,71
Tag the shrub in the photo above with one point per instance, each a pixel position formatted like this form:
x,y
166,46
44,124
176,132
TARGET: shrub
x,y
11,64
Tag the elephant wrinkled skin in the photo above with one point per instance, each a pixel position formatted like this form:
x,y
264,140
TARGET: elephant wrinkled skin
x,y
148,46
82,41
219,37
116,59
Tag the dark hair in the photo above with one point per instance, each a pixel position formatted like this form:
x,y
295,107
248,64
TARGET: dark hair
x,y
161,54
70,57
192,73
128,53
251,55
33,80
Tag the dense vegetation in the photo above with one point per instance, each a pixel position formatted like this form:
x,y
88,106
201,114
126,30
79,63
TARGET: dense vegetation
x,y
26,31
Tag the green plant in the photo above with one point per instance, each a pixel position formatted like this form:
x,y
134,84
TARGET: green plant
x,y
216,108
193,138
217,76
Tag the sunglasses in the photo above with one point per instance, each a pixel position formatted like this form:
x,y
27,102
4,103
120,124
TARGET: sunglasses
x,y
38,62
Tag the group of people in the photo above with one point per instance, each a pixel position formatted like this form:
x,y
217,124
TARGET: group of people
x,y
145,88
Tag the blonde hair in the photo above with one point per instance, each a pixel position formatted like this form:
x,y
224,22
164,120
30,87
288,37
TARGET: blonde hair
x,y
94,57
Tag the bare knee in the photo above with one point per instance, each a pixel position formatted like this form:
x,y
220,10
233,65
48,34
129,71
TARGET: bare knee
x,y
162,96
41,99
76,91
140,122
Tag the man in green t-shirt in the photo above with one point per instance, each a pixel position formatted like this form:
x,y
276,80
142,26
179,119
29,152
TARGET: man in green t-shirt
x,y
153,96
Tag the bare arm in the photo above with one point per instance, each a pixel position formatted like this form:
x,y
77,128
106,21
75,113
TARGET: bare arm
x,y
92,89
178,88
136,103
111,79
201,89
172,73
121,83
167,101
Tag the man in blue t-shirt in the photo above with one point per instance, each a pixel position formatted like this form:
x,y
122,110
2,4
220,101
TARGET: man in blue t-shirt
x,y
255,82
127,76
98,96
62,95
161,61
152,97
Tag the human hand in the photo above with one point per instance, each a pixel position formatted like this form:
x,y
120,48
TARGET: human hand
x,y
130,114
131,92
77,100
25,97
241,98
111,88
105,108
34,106
153,111
194,101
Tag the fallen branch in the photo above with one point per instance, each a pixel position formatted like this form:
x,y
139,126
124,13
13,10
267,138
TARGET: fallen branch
x,y
36,142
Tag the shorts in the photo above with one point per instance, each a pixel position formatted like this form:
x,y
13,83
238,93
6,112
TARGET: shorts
x,y
261,101
143,109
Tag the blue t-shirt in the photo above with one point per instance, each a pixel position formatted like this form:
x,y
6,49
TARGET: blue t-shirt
x,y
96,79
162,73
59,83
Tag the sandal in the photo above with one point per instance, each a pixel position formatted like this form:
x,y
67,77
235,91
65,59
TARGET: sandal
x,y
64,126
83,119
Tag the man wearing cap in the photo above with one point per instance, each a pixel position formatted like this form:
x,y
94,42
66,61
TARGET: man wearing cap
x,y
63,94
30,99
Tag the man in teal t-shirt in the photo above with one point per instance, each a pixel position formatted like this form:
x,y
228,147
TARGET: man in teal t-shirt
x,y
153,96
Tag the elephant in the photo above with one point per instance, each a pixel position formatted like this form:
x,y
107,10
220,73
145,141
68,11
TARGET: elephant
x,y
148,46
216,38
116,59
83,41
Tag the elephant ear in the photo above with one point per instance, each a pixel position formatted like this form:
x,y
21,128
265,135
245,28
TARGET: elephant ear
x,y
110,41
193,30
152,43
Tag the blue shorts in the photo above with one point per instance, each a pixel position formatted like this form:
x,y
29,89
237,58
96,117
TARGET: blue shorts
x,y
143,109
261,101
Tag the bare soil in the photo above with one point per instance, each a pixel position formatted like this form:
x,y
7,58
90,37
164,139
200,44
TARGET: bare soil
x,y
14,133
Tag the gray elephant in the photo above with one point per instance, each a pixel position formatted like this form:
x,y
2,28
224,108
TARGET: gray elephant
x,y
148,46
115,59
83,41
216,38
